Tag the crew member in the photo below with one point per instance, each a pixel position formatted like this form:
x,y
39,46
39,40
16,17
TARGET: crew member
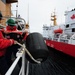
x,y
11,32
4,43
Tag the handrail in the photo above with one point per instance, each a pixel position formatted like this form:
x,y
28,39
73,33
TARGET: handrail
x,y
23,58
12,66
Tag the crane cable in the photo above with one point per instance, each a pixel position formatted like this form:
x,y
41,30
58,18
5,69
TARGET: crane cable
x,y
28,53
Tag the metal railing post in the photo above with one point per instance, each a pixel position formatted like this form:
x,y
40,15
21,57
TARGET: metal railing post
x,y
12,66
23,62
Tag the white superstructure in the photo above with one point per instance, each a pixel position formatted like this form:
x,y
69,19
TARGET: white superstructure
x,y
68,28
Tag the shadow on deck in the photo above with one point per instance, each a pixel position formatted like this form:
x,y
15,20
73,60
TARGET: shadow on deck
x,y
56,64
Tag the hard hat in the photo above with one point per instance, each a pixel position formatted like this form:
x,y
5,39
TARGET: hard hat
x,y
11,22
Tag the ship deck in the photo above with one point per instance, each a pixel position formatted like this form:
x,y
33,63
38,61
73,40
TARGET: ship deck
x,y
57,63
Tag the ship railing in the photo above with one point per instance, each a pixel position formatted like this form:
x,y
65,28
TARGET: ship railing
x,y
64,40
55,39
20,22
69,38
61,40
19,54
72,39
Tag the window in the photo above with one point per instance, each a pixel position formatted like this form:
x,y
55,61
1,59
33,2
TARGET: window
x,y
73,29
67,25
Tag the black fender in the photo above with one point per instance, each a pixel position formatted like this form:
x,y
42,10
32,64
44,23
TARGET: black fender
x,y
36,46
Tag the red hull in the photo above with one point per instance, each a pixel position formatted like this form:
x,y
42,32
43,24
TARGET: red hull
x,y
64,47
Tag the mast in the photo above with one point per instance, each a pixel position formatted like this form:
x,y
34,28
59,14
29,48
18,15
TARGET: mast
x,y
17,10
53,18
27,24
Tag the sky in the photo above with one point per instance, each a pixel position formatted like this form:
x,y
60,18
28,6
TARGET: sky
x,y
40,12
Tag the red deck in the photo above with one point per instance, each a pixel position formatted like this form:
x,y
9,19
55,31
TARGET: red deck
x,y
64,47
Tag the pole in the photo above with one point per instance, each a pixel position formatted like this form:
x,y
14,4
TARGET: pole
x,y
16,9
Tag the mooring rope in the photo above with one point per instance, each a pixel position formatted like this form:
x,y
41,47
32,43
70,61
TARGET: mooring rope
x,y
28,53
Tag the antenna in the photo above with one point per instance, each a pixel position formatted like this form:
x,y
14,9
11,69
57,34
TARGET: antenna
x,y
27,24
28,14
16,10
